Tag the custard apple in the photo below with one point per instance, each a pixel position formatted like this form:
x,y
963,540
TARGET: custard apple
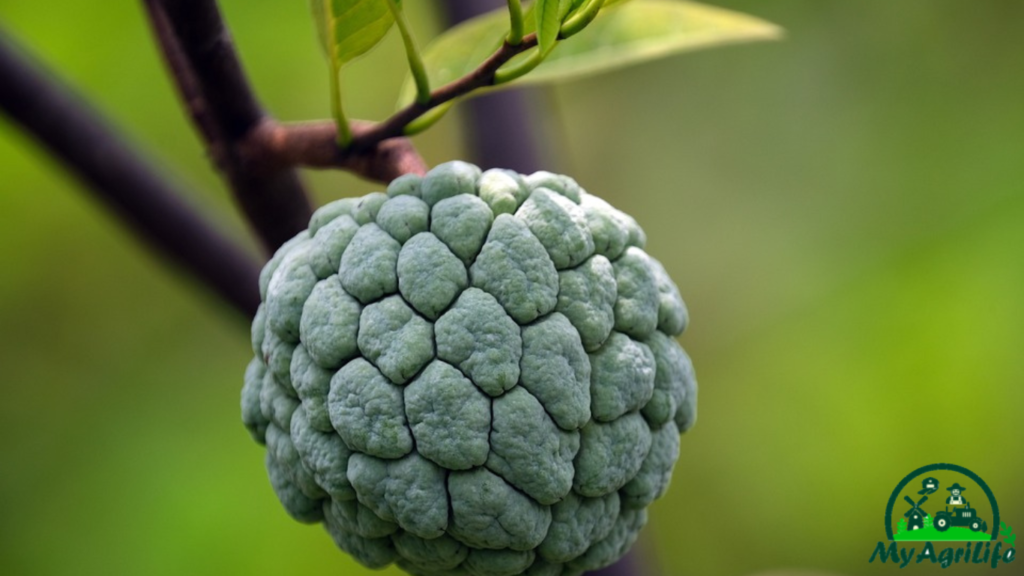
x,y
472,374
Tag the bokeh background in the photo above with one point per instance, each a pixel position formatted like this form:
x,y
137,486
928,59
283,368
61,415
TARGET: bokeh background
x,y
843,211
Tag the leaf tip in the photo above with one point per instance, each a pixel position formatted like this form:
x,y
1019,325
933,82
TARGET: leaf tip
x,y
770,31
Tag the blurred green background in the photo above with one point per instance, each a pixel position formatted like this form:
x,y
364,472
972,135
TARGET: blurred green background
x,y
842,210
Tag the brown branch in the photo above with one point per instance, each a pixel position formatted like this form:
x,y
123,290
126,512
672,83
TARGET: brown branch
x,y
123,181
209,76
314,145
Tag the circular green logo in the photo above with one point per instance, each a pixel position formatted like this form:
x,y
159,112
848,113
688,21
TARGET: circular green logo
x,y
942,509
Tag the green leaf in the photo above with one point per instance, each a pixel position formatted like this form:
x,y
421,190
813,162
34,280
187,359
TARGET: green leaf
x,y
549,15
350,28
643,30
631,32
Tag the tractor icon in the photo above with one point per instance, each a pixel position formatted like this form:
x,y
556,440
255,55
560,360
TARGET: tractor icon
x,y
965,516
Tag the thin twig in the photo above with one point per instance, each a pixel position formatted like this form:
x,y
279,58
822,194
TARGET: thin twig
x,y
480,77
123,181
201,56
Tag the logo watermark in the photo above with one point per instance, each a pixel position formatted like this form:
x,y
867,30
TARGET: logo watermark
x,y
948,506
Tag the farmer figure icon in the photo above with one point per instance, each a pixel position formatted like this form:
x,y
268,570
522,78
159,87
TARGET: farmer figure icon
x,y
955,498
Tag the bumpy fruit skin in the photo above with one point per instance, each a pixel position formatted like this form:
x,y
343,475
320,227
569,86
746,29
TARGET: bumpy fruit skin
x,y
473,374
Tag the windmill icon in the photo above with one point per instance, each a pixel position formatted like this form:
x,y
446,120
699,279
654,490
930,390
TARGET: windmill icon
x,y
915,516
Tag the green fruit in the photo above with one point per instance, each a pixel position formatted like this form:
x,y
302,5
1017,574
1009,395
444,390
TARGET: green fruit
x,y
473,374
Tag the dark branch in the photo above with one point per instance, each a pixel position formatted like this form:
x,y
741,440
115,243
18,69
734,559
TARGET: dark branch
x,y
506,137
120,179
201,56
